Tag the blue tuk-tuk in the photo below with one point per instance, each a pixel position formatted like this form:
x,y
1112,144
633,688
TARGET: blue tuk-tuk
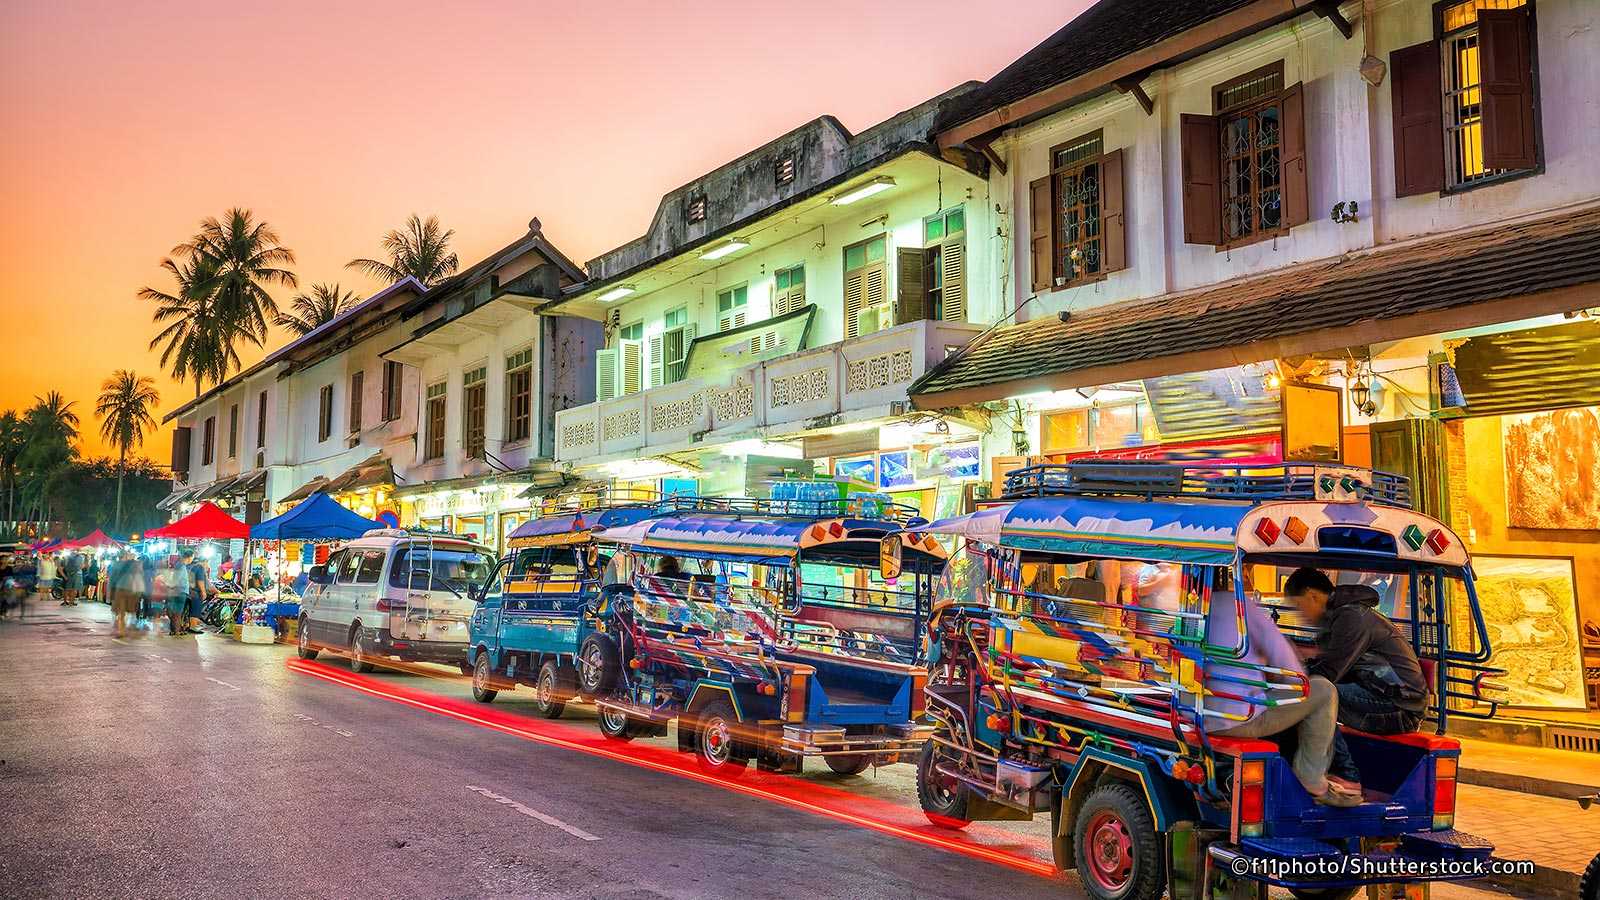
x,y
1090,641
773,630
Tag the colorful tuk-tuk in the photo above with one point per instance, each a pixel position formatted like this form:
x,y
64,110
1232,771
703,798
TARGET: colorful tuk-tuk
x,y
535,610
773,630
1089,641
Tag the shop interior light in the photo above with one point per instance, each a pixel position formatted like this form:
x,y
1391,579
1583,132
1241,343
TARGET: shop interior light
x,y
861,192
731,246
617,293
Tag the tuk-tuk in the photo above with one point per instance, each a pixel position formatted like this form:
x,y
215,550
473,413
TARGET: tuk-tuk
x,y
535,610
1089,641
773,630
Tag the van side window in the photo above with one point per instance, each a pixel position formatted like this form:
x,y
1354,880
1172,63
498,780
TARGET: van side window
x,y
371,567
348,565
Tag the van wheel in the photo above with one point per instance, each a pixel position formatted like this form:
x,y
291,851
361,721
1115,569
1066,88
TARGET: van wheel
x,y
303,641
360,661
717,746
599,665
944,799
550,693
483,679
615,724
848,763
1119,856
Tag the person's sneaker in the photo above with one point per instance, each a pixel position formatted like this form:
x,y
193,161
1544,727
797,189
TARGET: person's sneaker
x,y
1351,786
1335,796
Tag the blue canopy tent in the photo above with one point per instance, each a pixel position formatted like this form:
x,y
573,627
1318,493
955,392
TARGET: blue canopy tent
x,y
318,517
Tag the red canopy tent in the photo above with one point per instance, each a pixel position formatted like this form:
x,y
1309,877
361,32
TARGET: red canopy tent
x,y
95,540
206,522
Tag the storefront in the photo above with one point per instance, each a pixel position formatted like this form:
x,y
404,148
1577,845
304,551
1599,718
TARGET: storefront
x,y
485,508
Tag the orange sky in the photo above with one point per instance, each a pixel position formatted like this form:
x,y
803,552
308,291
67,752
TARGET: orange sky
x,y
126,123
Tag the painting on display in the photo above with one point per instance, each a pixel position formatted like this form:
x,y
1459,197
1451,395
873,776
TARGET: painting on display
x,y
1530,607
894,469
861,468
1553,469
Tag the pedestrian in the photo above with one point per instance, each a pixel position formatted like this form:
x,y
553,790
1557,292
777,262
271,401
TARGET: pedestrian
x,y
1380,682
91,578
126,586
8,572
200,589
174,579
152,606
72,577
22,582
47,572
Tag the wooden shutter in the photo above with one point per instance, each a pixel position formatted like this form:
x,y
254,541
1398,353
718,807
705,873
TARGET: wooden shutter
x,y
853,283
1202,180
632,366
658,360
1113,228
1504,48
1416,91
732,319
954,259
677,351
875,280
911,289
605,374
1296,190
1041,233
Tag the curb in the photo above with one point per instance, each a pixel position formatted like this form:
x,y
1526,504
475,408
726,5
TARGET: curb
x,y
1544,882
1525,784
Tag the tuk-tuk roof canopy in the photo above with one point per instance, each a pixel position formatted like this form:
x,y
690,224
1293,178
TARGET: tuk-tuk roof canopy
x,y
766,539
572,527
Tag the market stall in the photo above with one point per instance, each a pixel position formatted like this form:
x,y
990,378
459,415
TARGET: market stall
x,y
312,523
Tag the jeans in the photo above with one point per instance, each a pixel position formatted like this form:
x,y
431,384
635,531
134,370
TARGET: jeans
x,y
1313,720
1363,710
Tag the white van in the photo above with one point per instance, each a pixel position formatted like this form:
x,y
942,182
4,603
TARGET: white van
x,y
393,593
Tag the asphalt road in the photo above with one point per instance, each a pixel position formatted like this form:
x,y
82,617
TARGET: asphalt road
x,y
177,767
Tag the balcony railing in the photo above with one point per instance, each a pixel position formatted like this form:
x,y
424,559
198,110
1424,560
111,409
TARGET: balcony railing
x,y
768,399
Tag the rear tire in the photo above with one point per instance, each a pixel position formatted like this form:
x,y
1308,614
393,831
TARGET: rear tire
x,y
303,641
944,800
1589,884
1118,847
717,747
359,660
599,665
551,691
848,763
616,725
483,679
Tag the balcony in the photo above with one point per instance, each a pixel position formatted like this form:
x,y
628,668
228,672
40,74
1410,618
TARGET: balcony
x,y
851,381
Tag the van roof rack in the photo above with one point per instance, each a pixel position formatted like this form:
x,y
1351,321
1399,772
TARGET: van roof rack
x,y
1246,483
415,533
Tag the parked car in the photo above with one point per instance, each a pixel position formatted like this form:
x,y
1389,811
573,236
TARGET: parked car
x,y
395,594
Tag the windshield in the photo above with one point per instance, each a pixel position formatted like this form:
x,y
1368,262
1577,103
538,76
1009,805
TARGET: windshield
x,y
454,569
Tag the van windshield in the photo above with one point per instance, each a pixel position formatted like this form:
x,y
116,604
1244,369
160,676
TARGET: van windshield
x,y
458,570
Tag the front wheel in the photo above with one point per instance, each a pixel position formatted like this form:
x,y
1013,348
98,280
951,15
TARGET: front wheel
x,y
615,724
550,695
1589,884
360,660
944,799
303,641
1119,853
483,679
716,743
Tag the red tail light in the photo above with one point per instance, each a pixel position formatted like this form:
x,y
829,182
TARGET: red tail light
x,y
387,605
1252,797
1444,793
919,700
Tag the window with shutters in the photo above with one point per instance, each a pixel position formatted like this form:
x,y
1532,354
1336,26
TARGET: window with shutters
x,y
1077,221
393,372
433,433
325,413
208,441
261,420
865,288
358,383
696,211
789,290
233,431
474,389
519,395
732,307
944,267
1473,80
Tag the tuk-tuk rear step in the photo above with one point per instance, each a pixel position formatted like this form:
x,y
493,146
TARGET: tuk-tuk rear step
x,y
1451,844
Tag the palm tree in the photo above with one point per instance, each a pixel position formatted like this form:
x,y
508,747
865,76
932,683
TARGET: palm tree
x,y
194,342
311,311
13,438
51,427
421,251
245,257
124,412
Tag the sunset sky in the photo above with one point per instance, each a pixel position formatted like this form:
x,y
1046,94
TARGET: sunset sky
x,y
126,123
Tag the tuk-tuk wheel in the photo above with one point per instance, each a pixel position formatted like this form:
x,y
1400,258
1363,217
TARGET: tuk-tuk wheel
x,y
716,741
615,725
551,692
848,763
483,679
1327,893
943,799
1589,885
1119,854
303,641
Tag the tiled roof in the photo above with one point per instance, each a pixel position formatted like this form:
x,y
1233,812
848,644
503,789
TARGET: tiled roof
x,y
1267,316
1104,33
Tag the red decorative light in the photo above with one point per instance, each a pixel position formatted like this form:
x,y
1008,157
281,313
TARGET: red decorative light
x,y
818,532
1295,530
836,529
1437,541
1267,532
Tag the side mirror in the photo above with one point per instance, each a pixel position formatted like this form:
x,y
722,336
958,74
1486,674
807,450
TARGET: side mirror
x,y
889,557
319,575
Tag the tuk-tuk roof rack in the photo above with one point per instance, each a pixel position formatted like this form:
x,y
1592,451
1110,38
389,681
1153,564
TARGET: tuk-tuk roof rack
x,y
862,506
1248,483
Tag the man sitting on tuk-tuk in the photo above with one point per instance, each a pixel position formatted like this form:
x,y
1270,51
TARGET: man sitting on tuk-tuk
x,y
1380,682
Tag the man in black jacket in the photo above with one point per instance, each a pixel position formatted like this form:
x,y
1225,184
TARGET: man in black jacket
x,y
1380,683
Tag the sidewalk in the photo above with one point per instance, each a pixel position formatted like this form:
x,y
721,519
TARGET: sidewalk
x,y
1523,799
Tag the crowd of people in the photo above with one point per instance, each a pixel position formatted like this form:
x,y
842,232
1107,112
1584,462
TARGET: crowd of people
x,y
159,591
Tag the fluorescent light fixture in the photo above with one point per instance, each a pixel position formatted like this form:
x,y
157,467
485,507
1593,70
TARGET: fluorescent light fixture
x,y
616,293
861,192
721,250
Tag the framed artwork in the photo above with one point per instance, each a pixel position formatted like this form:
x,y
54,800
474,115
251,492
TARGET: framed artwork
x,y
859,468
1313,423
894,469
1553,469
1530,605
